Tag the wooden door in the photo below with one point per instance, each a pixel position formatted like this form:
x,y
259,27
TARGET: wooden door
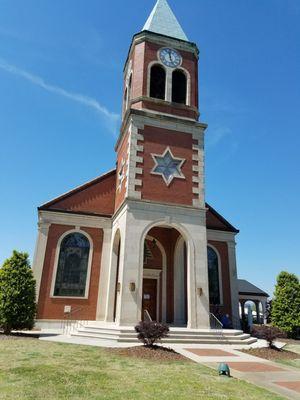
x,y
150,297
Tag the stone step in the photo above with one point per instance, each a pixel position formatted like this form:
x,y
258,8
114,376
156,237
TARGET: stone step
x,y
201,340
173,331
185,335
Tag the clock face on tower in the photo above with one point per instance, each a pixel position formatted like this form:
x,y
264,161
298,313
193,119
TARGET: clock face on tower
x,y
170,57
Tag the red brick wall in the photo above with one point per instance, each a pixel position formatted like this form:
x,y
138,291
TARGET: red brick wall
x,y
156,140
222,249
146,52
53,308
98,198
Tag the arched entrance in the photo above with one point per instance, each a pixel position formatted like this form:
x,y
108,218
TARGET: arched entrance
x,y
164,294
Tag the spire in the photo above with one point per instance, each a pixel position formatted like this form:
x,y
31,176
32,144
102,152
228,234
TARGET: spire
x,y
162,20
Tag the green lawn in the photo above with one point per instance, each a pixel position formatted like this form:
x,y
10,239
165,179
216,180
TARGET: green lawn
x,y
292,363
32,369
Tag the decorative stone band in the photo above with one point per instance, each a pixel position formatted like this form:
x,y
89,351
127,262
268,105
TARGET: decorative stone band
x,y
134,158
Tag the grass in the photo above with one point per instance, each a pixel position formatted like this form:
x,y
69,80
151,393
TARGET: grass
x,y
33,369
292,363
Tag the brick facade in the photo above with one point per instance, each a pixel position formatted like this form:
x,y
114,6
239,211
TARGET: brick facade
x,y
53,307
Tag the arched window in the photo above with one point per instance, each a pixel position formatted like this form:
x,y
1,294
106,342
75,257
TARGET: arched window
x,y
179,87
157,82
213,276
72,266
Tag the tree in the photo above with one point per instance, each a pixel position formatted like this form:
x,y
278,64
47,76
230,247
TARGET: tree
x,y
286,303
268,333
17,293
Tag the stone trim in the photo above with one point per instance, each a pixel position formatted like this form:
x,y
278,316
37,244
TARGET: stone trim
x,y
89,267
39,254
221,236
133,181
60,218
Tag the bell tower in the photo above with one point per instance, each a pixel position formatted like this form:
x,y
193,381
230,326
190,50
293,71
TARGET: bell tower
x,y
160,147
160,163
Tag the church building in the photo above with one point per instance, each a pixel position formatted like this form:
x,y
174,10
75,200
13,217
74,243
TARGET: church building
x,y
140,241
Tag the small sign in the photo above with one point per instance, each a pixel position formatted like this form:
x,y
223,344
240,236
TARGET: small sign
x,y
146,296
67,309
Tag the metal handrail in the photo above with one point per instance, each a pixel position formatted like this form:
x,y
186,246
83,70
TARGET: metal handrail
x,y
70,323
217,326
147,316
217,321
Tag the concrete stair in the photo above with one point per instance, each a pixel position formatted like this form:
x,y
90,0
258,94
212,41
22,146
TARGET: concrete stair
x,y
92,330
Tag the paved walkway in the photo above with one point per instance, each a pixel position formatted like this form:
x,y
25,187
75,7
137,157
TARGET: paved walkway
x,y
274,377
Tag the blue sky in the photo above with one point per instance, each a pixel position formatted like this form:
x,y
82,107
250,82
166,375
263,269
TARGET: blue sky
x,y
61,67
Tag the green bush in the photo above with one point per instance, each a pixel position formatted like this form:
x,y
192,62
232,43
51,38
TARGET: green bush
x,y
17,293
149,332
269,333
286,303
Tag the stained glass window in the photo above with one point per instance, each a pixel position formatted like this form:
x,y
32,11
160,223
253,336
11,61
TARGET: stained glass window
x,y
72,266
213,276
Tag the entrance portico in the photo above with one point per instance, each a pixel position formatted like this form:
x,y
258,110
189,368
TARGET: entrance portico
x,y
135,223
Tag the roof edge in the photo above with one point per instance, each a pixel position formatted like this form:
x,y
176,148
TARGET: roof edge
x,y
77,189
228,224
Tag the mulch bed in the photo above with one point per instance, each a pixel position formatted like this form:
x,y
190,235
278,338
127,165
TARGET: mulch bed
x,y
157,353
272,354
18,336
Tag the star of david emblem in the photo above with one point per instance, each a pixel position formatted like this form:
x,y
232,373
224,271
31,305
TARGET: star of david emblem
x,y
168,166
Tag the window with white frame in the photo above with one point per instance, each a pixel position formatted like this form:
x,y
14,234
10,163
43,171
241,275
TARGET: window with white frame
x,y
72,268
213,276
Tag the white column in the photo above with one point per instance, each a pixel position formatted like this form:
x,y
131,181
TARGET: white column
x,y
169,84
264,310
112,277
233,284
104,274
129,302
197,279
39,254
179,292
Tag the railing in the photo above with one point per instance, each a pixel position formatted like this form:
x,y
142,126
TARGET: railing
x,y
217,326
70,323
147,316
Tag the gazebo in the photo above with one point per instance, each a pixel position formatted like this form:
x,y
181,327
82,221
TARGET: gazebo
x,y
250,292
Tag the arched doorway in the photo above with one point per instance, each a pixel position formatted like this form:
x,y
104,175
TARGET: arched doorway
x,y
164,294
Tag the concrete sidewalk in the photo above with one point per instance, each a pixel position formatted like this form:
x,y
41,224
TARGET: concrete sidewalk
x,y
282,380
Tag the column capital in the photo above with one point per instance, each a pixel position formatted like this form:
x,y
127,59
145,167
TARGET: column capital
x,y
43,226
231,244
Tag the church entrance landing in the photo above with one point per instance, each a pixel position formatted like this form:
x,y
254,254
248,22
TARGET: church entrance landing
x,y
165,276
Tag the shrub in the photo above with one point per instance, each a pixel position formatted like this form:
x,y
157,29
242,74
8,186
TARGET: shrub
x,y
286,303
17,293
149,332
269,333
